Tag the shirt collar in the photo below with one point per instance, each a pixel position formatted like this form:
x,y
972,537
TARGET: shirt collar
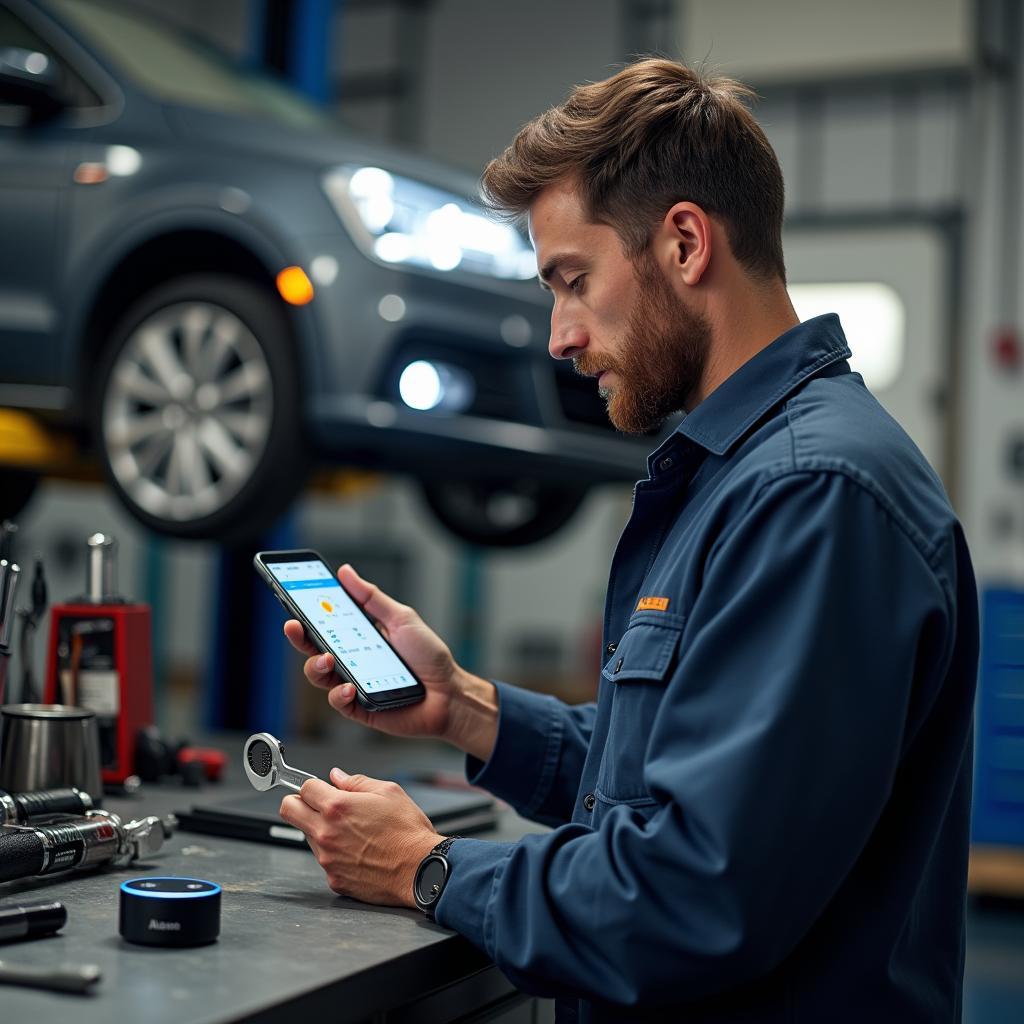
x,y
739,401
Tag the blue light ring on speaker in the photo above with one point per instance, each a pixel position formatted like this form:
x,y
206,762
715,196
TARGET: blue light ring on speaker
x,y
126,887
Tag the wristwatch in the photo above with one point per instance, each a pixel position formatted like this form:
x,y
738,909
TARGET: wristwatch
x,y
431,876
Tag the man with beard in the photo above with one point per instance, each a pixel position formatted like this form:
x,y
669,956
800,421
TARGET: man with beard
x,y
764,815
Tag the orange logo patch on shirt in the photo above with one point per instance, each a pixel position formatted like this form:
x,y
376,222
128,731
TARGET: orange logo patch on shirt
x,y
652,604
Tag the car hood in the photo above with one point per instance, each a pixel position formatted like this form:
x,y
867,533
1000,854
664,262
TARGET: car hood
x,y
261,137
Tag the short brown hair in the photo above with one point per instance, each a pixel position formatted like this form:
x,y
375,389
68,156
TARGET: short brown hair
x,y
654,134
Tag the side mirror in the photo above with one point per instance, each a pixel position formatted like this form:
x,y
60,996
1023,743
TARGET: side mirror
x,y
30,79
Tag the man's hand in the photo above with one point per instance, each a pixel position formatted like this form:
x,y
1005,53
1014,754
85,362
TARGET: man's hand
x,y
367,835
459,707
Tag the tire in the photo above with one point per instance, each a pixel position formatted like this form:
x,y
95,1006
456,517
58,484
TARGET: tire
x,y
16,489
196,412
501,514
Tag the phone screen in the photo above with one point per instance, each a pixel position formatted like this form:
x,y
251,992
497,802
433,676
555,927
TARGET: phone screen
x,y
349,634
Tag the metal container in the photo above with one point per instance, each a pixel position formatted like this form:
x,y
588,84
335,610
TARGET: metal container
x,y
101,569
46,746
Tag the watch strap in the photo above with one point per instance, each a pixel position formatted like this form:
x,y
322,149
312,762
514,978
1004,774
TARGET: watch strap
x,y
444,846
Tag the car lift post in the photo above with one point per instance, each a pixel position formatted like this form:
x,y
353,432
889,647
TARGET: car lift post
x,y
248,671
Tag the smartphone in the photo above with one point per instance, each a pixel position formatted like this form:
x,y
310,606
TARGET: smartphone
x,y
310,592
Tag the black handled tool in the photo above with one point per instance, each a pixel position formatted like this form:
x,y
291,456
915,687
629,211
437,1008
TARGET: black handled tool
x,y
69,978
64,842
20,808
30,920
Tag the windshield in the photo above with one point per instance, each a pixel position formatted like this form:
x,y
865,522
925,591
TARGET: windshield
x,y
174,67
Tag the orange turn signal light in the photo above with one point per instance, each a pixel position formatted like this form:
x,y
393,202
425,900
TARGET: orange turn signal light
x,y
294,286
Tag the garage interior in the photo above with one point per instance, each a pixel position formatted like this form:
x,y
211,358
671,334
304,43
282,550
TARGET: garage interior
x,y
899,129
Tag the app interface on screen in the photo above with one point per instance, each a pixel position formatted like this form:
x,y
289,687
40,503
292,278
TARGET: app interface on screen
x,y
338,619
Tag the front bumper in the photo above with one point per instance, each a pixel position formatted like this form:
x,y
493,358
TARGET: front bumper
x,y
384,434
521,422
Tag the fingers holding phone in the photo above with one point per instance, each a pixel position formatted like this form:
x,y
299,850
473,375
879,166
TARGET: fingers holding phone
x,y
457,706
334,625
319,668
357,638
384,610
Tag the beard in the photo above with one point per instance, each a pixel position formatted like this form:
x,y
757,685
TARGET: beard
x,y
660,361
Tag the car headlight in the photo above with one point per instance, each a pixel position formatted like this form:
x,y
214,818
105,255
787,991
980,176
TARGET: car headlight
x,y
400,220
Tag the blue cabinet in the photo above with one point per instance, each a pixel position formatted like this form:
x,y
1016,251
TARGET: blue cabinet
x,y
999,753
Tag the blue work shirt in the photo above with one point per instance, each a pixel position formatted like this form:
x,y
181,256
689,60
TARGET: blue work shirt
x,y
764,816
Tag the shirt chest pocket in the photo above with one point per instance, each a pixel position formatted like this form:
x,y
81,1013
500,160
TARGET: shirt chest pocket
x,y
638,672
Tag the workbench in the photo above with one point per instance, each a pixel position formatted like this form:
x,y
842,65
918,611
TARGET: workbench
x,y
289,948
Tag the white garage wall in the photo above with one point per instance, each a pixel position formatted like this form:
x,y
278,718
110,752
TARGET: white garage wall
x,y
818,39
492,66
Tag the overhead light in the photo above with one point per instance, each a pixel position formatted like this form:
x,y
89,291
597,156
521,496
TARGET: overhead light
x,y
425,385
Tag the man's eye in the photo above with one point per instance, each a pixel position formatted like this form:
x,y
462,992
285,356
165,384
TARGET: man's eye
x,y
576,284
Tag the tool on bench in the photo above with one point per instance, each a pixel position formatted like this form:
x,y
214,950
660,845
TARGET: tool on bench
x,y
68,978
30,619
265,767
19,808
49,746
30,920
10,574
63,842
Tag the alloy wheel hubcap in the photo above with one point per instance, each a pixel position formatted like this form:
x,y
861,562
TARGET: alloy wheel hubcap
x,y
187,412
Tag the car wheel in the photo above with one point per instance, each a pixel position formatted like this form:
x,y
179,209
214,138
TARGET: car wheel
x,y
501,514
16,488
197,413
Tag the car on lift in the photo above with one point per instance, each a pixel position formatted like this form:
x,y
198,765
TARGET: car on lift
x,y
217,285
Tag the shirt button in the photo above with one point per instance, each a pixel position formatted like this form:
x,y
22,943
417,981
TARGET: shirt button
x,y
589,801
610,649
665,464
618,665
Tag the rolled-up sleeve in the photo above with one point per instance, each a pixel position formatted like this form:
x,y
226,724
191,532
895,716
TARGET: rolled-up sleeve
x,y
538,754
771,758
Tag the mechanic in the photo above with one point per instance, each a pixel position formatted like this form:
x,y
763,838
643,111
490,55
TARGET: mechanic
x,y
764,816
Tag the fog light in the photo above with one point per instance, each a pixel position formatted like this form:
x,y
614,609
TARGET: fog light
x,y
425,385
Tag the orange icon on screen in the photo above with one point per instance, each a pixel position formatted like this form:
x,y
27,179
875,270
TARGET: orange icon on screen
x,y
327,606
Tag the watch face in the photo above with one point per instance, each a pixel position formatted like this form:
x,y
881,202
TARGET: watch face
x,y
431,879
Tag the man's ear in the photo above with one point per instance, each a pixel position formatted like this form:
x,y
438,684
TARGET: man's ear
x,y
686,232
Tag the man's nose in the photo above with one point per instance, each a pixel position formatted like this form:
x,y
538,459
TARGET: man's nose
x,y
567,340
